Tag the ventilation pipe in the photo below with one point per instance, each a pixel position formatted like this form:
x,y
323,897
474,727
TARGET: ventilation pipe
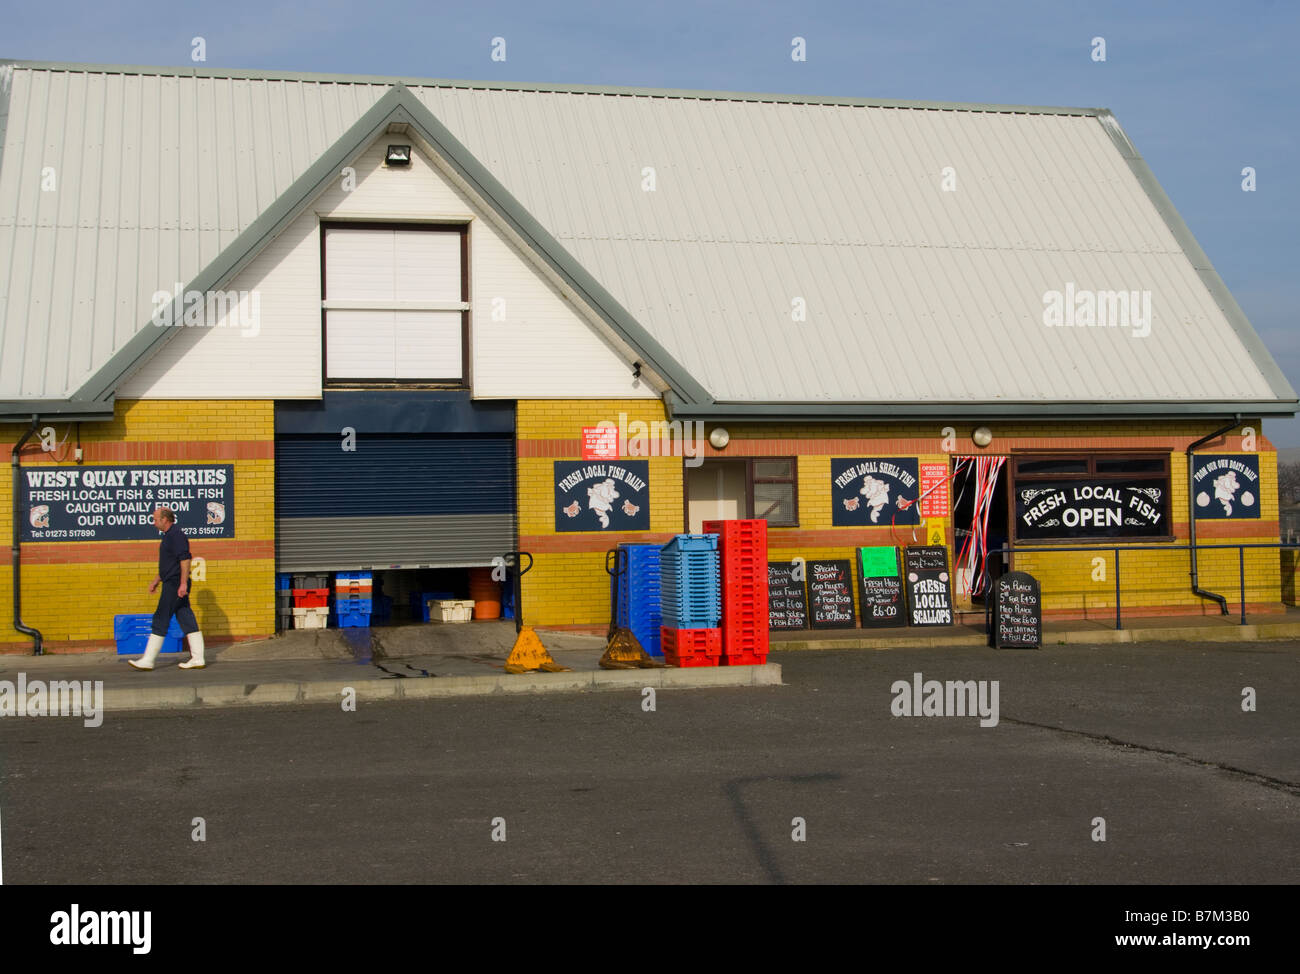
x,y
16,551
1191,511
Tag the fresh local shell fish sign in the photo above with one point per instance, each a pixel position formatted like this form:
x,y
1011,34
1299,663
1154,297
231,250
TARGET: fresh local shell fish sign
x,y
602,496
874,491
1226,486
117,503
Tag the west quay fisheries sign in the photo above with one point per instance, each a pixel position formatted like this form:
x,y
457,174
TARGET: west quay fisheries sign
x,y
117,503
1102,509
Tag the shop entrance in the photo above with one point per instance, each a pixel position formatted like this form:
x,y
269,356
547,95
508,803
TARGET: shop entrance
x,y
979,517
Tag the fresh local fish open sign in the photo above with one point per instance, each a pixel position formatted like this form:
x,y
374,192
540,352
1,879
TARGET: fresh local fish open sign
x,y
1226,486
602,496
117,503
1098,509
874,491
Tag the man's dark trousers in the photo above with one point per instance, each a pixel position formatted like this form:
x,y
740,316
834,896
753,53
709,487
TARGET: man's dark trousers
x,y
170,603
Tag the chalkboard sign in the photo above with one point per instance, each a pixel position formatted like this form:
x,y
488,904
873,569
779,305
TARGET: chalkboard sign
x,y
787,606
880,588
929,589
830,594
1017,612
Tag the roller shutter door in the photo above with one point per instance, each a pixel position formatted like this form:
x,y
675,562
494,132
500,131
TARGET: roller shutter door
x,y
398,500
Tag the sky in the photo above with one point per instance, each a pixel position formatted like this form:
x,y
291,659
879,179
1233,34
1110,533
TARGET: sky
x,y
1203,89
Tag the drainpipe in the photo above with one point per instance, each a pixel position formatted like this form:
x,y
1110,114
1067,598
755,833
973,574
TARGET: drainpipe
x,y
1191,510
16,551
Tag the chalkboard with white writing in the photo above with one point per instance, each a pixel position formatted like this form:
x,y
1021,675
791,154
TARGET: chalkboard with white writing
x,y
787,605
1017,612
880,587
929,589
830,594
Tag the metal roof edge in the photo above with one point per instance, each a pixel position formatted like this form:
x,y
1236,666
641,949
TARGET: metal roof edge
x,y
1028,411
1200,261
685,93
494,194
67,410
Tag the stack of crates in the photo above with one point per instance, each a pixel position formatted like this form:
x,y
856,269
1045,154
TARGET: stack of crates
x,y
352,599
283,603
690,601
743,549
638,591
311,597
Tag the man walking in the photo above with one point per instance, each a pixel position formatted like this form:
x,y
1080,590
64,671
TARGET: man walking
x,y
174,576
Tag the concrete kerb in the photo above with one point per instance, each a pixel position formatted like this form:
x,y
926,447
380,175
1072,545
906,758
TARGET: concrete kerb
x,y
372,691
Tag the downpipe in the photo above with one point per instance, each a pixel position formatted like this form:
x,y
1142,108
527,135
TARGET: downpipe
x,y
1191,515
16,551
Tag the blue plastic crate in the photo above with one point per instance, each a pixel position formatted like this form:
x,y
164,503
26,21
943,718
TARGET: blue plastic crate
x,y
353,576
132,635
420,603
353,620
691,542
283,582
345,604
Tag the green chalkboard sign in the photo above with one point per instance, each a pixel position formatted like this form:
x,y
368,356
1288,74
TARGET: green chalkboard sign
x,y
880,587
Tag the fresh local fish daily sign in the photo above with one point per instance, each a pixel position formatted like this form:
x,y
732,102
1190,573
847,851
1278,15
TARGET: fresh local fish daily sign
x,y
117,503
1101,509
602,496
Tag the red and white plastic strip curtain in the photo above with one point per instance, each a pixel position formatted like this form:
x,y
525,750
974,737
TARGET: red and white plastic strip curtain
x,y
972,559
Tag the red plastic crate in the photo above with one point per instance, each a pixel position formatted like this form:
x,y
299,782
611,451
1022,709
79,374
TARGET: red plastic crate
x,y
690,659
741,637
743,659
690,642
747,534
310,598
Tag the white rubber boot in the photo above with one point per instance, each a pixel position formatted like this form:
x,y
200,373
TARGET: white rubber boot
x,y
151,652
195,662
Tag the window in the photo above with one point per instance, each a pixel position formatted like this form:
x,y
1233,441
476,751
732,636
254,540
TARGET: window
x,y
396,303
723,489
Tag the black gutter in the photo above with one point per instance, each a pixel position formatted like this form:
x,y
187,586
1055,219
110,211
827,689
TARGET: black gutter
x,y
1191,515
16,552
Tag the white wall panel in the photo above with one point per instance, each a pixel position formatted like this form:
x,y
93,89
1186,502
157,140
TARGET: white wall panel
x,y
360,344
428,344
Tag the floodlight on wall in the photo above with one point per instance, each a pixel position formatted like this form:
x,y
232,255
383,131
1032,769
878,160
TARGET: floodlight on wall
x,y
398,155
982,436
719,438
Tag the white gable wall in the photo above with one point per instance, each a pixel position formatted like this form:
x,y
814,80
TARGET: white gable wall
x,y
540,346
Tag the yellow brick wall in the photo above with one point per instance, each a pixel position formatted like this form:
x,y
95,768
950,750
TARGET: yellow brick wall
x,y
71,590
570,587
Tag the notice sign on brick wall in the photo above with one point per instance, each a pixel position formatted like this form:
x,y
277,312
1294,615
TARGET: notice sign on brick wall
x,y
600,443
117,503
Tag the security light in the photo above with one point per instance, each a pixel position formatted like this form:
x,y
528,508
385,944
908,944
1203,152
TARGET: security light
x,y
719,438
398,155
982,436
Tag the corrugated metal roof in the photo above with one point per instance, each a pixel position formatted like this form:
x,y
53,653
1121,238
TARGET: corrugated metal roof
x,y
913,294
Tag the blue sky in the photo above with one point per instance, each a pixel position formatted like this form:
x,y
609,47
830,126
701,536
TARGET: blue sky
x,y
1203,89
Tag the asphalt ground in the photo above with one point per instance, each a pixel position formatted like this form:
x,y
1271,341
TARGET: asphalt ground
x,y
706,788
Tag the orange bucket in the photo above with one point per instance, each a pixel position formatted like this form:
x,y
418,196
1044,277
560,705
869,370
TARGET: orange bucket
x,y
486,594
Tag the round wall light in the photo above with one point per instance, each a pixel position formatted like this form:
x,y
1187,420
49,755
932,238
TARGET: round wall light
x,y
982,436
719,438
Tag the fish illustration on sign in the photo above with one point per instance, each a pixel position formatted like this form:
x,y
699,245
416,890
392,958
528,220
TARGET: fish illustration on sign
x,y
40,516
601,500
877,495
216,513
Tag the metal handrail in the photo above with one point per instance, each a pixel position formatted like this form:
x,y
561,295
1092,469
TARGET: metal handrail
x,y
1116,549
